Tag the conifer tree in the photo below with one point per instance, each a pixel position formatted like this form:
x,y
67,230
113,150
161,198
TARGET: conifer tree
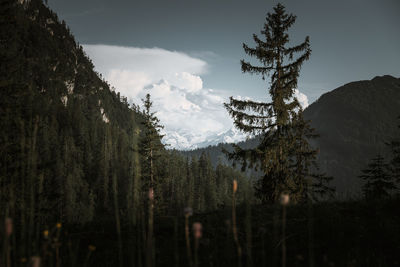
x,y
151,147
271,120
395,161
207,182
394,147
222,184
378,182
197,194
133,196
308,181
189,185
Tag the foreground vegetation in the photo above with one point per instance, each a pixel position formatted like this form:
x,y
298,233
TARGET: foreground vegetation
x,y
354,233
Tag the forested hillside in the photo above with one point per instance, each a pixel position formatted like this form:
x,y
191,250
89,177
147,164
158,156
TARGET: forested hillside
x,y
354,122
70,144
61,124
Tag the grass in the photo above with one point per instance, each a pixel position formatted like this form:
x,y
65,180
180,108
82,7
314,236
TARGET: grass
x,y
353,233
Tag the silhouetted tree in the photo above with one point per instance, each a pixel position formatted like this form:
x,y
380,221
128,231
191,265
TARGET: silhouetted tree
x,y
274,154
378,182
151,147
394,147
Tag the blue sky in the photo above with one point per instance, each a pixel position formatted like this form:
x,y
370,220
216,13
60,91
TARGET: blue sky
x,y
187,52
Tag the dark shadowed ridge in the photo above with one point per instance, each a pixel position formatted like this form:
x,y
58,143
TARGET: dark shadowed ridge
x,y
354,122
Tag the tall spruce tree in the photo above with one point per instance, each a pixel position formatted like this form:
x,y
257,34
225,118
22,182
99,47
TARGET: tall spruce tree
x,y
378,182
275,153
151,147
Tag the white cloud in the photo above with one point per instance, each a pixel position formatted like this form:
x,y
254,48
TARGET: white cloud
x,y
190,113
130,69
188,81
129,83
302,98
156,63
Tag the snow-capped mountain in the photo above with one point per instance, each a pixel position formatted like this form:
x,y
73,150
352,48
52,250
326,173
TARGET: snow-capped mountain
x,y
188,141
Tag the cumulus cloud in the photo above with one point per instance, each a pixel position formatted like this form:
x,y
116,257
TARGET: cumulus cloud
x,y
188,81
302,98
128,82
152,61
130,69
190,113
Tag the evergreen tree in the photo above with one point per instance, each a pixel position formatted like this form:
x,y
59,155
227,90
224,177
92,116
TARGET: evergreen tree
x,y
319,188
394,146
222,184
134,187
79,200
207,182
189,198
272,120
151,147
198,203
308,181
378,182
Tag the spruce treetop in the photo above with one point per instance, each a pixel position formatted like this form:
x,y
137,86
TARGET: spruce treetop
x,y
280,63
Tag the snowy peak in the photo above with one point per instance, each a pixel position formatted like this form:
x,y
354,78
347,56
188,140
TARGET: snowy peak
x,y
188,141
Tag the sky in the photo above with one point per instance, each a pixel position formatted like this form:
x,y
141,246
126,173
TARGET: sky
x,y
186,53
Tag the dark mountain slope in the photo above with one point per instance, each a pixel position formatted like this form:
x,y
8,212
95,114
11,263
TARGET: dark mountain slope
x,y
354,122
62,129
